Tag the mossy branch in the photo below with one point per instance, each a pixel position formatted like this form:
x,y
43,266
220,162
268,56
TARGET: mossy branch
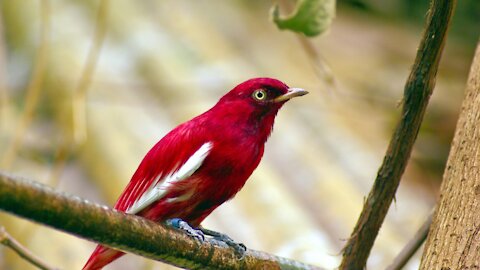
x,y
128,233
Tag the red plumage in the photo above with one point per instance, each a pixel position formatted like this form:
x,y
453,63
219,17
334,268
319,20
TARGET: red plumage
x,y
203,162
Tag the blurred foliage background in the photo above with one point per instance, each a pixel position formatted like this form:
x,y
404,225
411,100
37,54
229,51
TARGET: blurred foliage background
x,y
87,87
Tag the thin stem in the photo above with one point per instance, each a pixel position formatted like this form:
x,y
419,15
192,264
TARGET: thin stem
x,y
318,62
412,246
7,240
418,90
320,66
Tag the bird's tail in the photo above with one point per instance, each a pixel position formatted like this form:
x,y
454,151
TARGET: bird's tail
x,y
100,257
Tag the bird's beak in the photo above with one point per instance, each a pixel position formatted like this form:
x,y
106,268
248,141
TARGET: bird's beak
x,y
292,92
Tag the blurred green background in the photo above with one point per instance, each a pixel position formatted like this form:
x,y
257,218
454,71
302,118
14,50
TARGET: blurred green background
x,y
87,87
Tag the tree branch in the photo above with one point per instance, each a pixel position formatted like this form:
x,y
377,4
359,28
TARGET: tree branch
x,y
418,89
128,233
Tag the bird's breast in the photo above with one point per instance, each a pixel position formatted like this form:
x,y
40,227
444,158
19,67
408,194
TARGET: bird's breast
x,y
228,167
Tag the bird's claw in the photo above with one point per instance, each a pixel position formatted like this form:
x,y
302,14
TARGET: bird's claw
x,y
182,225
240,248
199,234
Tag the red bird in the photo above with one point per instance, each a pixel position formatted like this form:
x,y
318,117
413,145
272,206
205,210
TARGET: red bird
x,y
203,162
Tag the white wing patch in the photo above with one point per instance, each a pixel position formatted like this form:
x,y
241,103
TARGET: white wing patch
x,y
159,187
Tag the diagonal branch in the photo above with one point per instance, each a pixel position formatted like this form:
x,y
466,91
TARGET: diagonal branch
x,y
128,233
418,89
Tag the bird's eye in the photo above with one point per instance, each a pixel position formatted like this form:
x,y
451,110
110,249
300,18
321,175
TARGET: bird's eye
x,y
259,95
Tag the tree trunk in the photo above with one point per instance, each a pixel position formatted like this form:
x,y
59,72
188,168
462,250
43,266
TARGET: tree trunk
x,y
454,238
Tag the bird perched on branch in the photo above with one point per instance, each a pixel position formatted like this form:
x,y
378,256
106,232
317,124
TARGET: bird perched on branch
x,y
203,162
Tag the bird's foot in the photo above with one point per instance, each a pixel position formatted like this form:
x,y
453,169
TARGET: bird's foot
x,y
182,225
240,248
199,234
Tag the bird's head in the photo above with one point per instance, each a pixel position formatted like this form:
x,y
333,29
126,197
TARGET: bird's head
x,y
255,102
265,95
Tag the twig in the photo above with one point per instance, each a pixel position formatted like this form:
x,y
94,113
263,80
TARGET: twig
x,y
412,246
7,240
418,89
34,88
129,233
79,98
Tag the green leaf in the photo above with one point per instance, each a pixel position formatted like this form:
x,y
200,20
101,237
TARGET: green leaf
x,y
311,17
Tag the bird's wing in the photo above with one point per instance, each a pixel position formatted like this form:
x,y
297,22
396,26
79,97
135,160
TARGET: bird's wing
x,y
159,187
173,159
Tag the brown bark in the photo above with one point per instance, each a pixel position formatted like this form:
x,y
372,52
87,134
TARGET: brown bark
x,y
454,238
418,90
